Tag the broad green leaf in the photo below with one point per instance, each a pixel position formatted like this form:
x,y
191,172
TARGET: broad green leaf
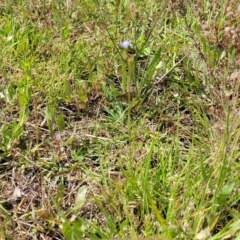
x,y
227,189
49,114
17,130
80,197
60,193
72,231
82,95
238,236
23,115
61,122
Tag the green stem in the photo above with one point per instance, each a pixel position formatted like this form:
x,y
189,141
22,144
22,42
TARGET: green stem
x,y
124,72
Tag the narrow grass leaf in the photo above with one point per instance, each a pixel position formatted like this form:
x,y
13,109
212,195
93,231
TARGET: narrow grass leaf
x,y
5,213
151,69
158,215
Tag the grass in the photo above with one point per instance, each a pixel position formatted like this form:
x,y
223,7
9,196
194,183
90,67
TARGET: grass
x,y
99,142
